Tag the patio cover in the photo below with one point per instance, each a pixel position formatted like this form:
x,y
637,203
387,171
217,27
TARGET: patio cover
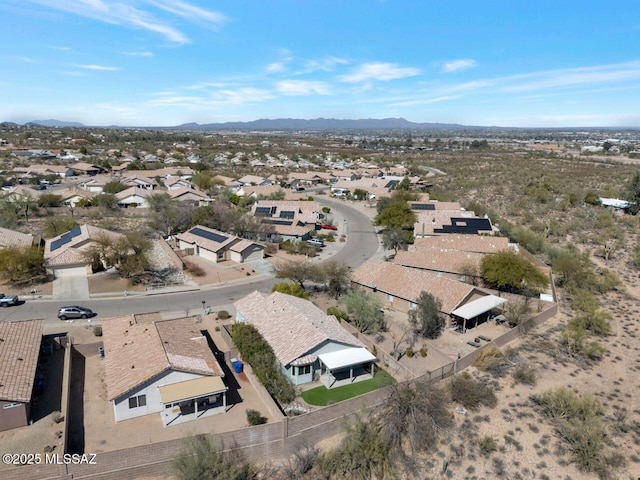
x,y
346,358
478,307
198,387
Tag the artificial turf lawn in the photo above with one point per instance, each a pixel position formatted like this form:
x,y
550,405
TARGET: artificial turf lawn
x,y
321,396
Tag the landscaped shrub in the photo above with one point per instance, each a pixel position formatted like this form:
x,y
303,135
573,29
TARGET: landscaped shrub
x,y
223,315
97,331
193,269
254,417
258,353
409,352
491,359
423,352
339,314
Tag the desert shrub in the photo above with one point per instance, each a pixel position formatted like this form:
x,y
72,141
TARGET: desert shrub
x,y
594,321
254,417
289,288
194,269
575,341
200,459
525,375
491,359
223,315
361,455
564,403
339,314
487,445
471,393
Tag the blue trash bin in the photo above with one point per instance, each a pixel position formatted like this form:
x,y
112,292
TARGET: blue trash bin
x,y
237,366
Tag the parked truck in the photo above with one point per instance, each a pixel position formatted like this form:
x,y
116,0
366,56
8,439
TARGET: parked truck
x,y
7,300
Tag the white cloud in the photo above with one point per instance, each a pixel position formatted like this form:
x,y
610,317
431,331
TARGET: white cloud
x,y
302,87
379,71
326,64
275,67
102,68
457,65
118,12
142,53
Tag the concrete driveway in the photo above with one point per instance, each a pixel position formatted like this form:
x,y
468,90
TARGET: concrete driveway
x,y
71,287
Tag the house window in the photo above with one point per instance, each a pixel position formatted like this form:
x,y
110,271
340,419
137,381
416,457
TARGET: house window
x,y
412,305
389,298
304,370
139,401
11,405
438,274
462,278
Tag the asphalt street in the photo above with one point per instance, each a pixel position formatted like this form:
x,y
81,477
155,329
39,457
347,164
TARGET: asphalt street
x,y
361,245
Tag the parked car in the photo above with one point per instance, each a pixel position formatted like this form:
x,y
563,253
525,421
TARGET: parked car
x,y
316,241
6,300
75,311
328,226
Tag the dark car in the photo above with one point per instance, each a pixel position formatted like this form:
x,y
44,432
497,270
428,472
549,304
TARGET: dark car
x,y
74,311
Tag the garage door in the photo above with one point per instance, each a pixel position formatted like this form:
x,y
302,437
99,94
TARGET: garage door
x,y
252,253
70,272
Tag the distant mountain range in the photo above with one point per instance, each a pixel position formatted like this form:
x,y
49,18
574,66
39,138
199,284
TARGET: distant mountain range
x,y
285,124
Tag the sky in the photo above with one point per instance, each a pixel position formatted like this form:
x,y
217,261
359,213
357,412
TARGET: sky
x,y
515,63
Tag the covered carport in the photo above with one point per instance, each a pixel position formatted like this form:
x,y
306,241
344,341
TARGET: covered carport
x,y
477,311
358,363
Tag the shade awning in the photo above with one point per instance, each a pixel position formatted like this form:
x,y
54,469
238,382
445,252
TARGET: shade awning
x,y
198,387
478,307
346,358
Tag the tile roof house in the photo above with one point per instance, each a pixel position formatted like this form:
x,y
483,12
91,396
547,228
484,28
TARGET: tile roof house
x,y
304,339
65,254
291,220
134,197
11,238
19,351
96,183
399,287
448,263
438,222
464,242
73,196
161,366
190,194
218,246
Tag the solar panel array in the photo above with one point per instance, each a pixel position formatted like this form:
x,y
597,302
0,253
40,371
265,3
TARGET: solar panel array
x,y
66,238
471,226
423,206
215,237
287,214
274,221
263,211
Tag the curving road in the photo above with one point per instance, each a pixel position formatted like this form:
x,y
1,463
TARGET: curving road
x,y
361,245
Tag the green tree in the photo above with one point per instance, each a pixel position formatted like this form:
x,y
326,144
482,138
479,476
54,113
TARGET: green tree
x,y
335,277
114,186
49,200
293,289
21,264
365,311
203,180
512,272
298,271
57,225
396,216
426,318
360,194
395,239
106,200
405,184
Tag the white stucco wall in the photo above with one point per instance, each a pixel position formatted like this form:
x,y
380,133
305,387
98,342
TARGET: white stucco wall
x,y
326,347
151,390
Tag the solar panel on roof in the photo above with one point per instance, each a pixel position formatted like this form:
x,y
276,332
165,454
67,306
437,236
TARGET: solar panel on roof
x,y
277,222
423,206
65,238
471,226
287,214
263,211
215,237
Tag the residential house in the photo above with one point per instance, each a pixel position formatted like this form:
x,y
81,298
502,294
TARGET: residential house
x,y
465,243
73,196
66,254
400,287
135,179
174,183
192,195
306,341
134,197
161,366
83,168
46,170
290,220
253,180
96,183
447,263
438,222
218,246
256,191
375,187
19,351
11,238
